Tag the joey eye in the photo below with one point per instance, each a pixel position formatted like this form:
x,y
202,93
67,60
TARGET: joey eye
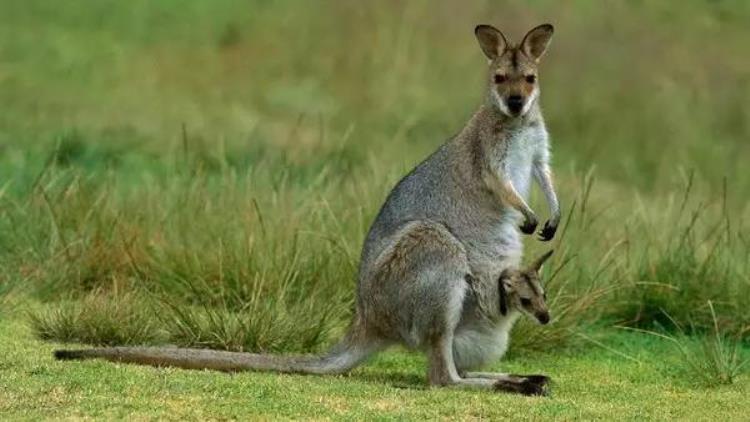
x,y
526,302
500,79
530,79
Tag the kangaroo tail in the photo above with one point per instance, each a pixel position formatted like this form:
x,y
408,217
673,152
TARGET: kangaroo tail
x,y
347,354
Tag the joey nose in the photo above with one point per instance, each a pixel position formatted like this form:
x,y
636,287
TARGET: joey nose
x,y
543,317
515,103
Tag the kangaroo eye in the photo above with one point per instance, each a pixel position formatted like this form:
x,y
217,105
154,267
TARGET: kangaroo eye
x,y
500,79
530,79
526,302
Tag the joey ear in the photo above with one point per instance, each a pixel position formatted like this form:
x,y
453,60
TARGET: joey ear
x,y
536,266
504,286
506,280
491,40
535,42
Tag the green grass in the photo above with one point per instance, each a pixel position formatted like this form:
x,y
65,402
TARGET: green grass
x,y
716,361
592,384
203,174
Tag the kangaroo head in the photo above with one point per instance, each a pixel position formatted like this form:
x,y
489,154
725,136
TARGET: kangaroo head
x,y
513,76
522,290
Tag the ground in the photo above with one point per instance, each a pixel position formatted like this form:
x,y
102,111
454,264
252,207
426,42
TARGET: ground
x,y
591,384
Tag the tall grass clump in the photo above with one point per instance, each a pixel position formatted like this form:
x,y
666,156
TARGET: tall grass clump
x,y
714,358
226,260
700,258
257,327
98,319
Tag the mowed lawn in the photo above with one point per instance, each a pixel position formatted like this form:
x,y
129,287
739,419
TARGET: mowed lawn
x,y
592,384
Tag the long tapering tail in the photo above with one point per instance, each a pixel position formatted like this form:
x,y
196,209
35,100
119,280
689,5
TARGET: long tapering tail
x,y
347,354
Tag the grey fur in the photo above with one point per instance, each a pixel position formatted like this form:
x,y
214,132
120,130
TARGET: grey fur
x,y
442,247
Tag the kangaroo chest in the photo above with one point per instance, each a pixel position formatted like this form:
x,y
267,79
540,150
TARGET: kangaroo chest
x,y
515,155
494,240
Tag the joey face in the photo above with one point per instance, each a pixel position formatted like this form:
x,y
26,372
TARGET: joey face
x,y
522,290
513,70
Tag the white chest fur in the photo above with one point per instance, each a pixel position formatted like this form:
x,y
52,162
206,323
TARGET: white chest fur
x,y
512,156
522,146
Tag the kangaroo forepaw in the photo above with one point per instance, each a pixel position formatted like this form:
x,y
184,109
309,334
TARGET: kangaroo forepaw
x,y
547,232
528,385
529,226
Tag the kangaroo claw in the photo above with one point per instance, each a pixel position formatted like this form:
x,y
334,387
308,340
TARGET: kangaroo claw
x,y
547,232
528,227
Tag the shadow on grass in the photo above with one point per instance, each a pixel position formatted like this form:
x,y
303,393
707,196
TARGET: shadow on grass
x,y
401,380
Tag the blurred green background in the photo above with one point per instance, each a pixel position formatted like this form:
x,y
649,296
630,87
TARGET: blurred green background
x,y
641,90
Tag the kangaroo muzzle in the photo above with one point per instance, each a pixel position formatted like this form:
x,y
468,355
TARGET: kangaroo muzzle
x,y
515,104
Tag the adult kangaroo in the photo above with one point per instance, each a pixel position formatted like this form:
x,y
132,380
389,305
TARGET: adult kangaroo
x,y
440,267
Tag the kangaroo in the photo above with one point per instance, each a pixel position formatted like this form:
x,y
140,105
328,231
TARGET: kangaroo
x,y
445,248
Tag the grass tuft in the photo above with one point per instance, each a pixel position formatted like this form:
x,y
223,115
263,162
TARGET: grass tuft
x,y
699,260
98,319
712,359
257,327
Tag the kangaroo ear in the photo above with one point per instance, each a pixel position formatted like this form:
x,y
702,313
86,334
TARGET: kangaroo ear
x,y
491,40
504,286
536,266
535,42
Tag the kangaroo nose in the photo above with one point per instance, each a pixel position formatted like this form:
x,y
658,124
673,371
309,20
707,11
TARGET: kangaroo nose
x,y
543,317
515,103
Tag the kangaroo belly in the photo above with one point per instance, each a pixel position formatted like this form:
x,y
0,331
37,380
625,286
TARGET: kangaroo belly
x,y
475,349
476,345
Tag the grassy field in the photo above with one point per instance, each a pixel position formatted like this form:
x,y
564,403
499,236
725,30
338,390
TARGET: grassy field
x,y
592,384
203,174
